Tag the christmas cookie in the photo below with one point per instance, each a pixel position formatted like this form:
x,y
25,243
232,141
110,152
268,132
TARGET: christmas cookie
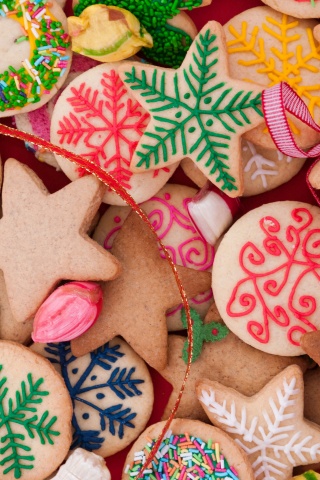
x,y
296,8
35,54
268,47
197,111
222,357
263,168
82,465
268,426
265,281
135,304
38,121
96,118
111,392
35,415
189,446
43,237
168,213
172,31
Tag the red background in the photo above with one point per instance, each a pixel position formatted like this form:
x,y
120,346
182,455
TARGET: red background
x,y
296,189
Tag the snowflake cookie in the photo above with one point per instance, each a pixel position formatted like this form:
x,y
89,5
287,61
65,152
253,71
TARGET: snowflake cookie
x,y
296,8
269,426
35,412
268,47
266,276
197,111
168,213
95,117
189,446
111,393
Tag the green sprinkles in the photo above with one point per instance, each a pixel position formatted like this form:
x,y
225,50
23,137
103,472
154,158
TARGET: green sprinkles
x,y
48,61
170,44
183,457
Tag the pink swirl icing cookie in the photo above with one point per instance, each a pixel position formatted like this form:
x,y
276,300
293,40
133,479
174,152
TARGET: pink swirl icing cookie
x,y
167,210
266,276
95,117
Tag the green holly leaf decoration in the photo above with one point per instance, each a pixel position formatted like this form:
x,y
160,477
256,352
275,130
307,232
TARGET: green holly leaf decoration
x,y
209,332
197,111
19,414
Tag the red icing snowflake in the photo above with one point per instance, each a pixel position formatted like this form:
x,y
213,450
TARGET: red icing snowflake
x,y
288,263
108,123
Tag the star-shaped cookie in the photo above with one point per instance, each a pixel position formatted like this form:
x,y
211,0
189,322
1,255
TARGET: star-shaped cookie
x,y
269,426
134,305
197,111
43,237
229,361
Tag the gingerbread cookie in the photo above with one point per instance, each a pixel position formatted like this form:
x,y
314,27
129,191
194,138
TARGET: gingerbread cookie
x,y
95,117
189,446
197,111
296,8
268,47
269,426
265,280
111,392
227,360
32,69
35,415
168,213
136,302
263,169
43,237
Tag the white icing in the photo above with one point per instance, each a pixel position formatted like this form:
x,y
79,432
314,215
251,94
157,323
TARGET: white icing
x,y
82,465
259,161
276,435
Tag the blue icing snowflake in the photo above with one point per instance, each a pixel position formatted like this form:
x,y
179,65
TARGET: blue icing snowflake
x,y
120,381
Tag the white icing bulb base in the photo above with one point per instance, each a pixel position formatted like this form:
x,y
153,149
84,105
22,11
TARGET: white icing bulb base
x,y
82,465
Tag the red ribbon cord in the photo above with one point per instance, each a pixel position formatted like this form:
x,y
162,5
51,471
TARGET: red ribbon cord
x,y
278,100
112,183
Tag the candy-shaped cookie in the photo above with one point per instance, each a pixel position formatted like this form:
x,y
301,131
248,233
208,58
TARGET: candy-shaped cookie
x,y
265,281
111,393
82,465
296,8
268,47
95,117
168,213
189,446
35,412
36,54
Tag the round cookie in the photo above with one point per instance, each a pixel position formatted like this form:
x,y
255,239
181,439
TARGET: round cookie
x,y
167,210
37,122
35,415
111,392
31,68
95,117
263,169
183,448
265,280
267,47
296,8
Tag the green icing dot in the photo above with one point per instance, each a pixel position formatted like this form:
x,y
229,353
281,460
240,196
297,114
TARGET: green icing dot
x,y
178,114
207,100
209,123
186,96
191,129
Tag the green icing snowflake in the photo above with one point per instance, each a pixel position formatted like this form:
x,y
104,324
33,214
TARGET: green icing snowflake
x,y
170,44
19,414
197,111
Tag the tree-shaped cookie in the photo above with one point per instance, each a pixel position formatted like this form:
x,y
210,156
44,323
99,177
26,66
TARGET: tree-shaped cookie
x,y
197,111
269,426
35,415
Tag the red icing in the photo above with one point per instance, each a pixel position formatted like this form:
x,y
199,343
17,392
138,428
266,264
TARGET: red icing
x,y
297,254
104,116
215,331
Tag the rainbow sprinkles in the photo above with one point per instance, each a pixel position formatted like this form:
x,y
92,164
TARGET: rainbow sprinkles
x,y
48,59
183,457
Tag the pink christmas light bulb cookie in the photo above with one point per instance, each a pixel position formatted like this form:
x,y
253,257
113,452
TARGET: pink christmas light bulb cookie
x,y
95,117
68,312
167,210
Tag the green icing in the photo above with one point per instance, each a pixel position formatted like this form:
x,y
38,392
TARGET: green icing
x,y
176,115
106,51
309,476
170,44
209,332
21,411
